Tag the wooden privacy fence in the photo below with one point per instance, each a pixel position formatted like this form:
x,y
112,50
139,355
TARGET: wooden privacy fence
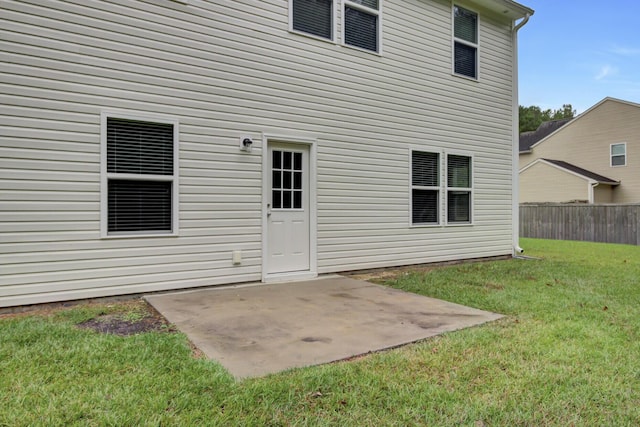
x,y
594,223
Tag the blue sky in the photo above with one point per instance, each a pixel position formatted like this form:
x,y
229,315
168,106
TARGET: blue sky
x,y
579,52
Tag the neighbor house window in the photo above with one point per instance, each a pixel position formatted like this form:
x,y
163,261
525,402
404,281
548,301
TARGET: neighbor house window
x,y
458,189
361,24
139,176
619,154
425,188
465,42
314,17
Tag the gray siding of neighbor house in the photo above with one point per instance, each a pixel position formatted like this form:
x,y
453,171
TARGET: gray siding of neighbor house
x,y
223,69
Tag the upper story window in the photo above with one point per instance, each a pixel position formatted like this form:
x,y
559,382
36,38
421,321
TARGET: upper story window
x,y
465,42
139,176
361,24
314,17
619,154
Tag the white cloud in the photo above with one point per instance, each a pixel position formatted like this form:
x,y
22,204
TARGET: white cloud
x,y
625,51
606,71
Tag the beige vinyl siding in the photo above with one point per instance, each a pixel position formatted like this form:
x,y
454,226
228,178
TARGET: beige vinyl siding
x,y
225,69
542,182
603,194
585,142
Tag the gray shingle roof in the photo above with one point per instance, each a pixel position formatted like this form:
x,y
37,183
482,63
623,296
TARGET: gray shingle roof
x,y
527,139
588,174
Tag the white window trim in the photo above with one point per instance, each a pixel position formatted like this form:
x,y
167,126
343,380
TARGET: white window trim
x,y
377,12
469,189
454,39
334,30
105,176
443,188
611,154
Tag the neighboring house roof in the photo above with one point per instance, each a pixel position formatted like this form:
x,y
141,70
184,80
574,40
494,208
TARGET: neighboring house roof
x,y
576,170
527,139
573,121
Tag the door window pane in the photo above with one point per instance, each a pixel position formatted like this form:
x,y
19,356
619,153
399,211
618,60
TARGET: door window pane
x,y
286,182
297,180
297,161
277,159
277,199
286,199
286,163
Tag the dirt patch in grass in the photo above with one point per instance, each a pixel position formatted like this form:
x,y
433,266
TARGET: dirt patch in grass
x,y
139,319
115,324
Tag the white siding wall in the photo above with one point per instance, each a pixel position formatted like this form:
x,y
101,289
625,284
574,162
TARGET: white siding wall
x,y
225,69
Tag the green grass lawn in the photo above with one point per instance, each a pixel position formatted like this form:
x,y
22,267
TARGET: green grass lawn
x,y
567,353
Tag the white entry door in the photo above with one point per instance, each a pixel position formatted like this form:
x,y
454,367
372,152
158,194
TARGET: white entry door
x,y
288,235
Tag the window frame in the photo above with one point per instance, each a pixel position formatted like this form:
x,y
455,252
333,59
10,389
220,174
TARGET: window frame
x,y
455,40
443,188
106,176
334,20
365,9
466,189
437,188
611,155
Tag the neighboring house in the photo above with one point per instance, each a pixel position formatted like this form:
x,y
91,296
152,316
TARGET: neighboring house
x,y
155,145
594,158
527,139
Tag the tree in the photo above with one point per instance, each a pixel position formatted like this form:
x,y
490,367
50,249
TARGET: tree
x,y
531,117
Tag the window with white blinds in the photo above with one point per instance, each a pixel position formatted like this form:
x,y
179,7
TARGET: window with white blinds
x,y
314,17
362,24
425,188
465,42
360,21
458,189
437,177
140,176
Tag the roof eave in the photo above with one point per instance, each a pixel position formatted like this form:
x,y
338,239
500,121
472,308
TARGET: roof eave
x,y
508,8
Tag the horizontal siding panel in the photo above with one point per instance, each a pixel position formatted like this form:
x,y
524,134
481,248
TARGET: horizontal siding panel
x,y
155,273
124,267
107,288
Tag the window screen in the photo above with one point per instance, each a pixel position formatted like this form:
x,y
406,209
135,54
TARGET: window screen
x,y
425,191
361,29
458,189
139,205
465,47
313,17
618,154
145,149
361,22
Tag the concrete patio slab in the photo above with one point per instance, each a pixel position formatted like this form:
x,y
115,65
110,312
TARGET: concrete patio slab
x,y
258,330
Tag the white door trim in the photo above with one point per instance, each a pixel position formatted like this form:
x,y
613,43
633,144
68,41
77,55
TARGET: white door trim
x,y
313,217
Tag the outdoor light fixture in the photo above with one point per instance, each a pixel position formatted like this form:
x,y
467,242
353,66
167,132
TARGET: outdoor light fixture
x,y
246,143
